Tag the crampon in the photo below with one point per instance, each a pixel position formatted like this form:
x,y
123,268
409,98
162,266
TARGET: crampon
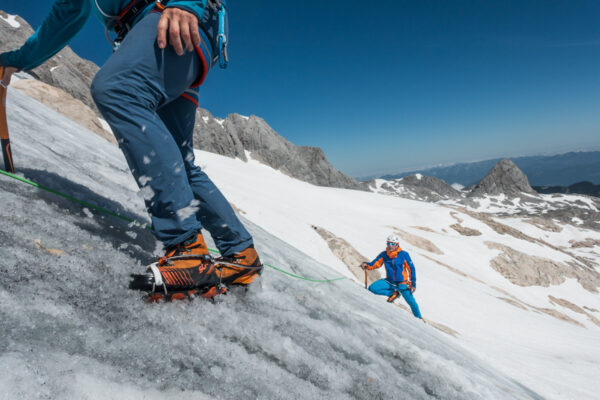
x,y
165,283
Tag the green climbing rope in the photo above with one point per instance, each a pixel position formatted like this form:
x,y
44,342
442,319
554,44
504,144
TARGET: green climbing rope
x,y
145,226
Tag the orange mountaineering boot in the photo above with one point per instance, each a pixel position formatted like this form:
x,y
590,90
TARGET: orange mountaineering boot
x,y
393,297
186,270
247,267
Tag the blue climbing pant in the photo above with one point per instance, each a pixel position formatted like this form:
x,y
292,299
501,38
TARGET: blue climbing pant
x,y
385,288
138,91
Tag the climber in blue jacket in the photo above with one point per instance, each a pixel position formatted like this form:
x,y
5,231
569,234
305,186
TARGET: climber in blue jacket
x,y
401,277
147,91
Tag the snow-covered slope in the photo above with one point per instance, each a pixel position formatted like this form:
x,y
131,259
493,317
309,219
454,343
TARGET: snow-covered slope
x,y
71,328
527,331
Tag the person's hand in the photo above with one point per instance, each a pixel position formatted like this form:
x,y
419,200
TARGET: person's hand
x,y
182,27
412,289
364,265
8,72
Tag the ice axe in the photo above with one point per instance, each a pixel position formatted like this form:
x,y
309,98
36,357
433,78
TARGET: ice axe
x,y
4,139
365,275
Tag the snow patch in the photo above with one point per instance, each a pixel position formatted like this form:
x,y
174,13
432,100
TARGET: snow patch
x,y
190,210
11,20
105,125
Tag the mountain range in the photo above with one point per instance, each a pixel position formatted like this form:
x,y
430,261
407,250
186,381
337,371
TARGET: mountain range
x,y
556,170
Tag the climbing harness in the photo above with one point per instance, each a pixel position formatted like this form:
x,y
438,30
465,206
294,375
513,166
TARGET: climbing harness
x,y
122,23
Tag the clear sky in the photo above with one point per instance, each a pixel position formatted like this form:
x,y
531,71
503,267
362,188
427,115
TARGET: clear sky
x,y
394,85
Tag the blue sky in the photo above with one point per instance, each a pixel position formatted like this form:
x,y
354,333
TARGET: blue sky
x,y
396,85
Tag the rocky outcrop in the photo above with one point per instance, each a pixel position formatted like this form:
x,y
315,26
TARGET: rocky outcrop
x,y
65,104
417,241
417,187
236,134
504,178
210,135
430,187
545,224
348,255
66,70
527,270
463,230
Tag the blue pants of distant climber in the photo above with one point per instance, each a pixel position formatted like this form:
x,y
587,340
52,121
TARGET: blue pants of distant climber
x,y
138,91
385,288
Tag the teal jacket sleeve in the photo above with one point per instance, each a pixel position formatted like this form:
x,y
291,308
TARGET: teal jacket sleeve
x,y
66,18
194,6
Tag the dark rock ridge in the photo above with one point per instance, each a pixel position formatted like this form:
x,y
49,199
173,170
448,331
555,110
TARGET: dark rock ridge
x,y
66,70
587,188
504,178
420,187
431,186
230,137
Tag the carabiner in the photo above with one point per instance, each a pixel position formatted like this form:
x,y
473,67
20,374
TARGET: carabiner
x,y
222,39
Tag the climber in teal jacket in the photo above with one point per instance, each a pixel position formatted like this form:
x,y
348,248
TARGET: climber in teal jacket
x,y
147,91
68,17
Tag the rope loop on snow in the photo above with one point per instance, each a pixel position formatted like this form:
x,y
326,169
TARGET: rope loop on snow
x,y
146,226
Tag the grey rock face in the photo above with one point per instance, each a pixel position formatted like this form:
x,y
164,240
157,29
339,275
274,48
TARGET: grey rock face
x,y
430,187
504,178
421,187
66,70
211,135
232,136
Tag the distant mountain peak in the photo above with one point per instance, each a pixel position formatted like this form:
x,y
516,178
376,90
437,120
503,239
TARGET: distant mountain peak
x,y
504,178
416,187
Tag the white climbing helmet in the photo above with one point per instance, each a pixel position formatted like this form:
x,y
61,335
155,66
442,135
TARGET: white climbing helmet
x,y
393,239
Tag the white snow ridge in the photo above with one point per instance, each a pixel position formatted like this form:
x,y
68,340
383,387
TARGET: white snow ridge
x,y
72,329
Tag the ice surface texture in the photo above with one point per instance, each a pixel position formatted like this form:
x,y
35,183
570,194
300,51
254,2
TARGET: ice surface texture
x,y
71,328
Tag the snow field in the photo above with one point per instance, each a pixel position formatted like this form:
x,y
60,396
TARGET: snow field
x,y
285,338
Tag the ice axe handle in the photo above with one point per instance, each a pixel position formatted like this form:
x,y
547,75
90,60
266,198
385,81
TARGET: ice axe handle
x,y
4,139
6,153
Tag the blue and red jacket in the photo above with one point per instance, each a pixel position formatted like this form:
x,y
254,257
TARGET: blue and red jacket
x,y
398,267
